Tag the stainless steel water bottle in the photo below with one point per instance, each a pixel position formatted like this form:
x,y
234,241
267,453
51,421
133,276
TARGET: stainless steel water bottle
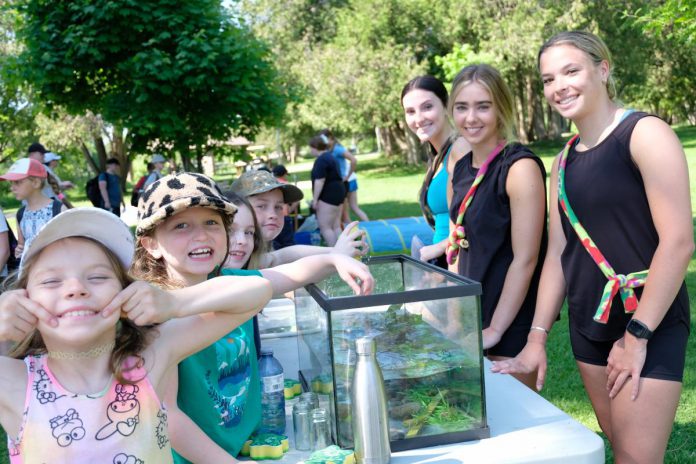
x,y
369,406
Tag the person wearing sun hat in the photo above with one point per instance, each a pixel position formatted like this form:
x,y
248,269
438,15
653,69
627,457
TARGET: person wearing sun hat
x,y
268,196
27,178
51,162
182,238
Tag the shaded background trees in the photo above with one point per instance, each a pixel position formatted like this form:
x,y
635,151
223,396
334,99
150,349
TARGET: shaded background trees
x,y
163,76
125,77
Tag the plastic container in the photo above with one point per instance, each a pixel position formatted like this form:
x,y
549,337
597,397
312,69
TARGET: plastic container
x,y
272,397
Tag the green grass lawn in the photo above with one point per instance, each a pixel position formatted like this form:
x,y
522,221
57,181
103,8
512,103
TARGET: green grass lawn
x,y
387,190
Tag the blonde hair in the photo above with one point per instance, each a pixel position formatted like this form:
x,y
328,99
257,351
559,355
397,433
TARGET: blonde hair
x,y
154,270
130,341
591,45
492,81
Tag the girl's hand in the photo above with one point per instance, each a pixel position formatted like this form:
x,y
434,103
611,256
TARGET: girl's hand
x,y
144,304
355,274
18,251
19,315
351,242
531,358
626,359
431,252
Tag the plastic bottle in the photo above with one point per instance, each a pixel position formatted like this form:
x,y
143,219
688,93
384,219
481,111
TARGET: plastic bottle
x,y
369,407
272,397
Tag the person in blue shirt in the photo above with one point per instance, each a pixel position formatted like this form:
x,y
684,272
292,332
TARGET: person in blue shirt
x,y
110,187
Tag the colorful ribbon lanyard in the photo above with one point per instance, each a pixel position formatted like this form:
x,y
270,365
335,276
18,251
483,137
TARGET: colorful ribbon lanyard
x,y
457,238
616,282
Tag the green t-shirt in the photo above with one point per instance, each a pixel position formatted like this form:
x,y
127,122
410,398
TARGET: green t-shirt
x,y
219,387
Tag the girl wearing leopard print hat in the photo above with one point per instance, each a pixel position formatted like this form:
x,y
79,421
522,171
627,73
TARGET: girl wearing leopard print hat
x,y
85,382
620,240
214,397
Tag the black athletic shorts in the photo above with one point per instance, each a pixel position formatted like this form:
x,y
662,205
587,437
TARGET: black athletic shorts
x,y
664,360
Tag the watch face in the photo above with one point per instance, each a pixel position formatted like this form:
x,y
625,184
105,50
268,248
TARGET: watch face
x,y
638,329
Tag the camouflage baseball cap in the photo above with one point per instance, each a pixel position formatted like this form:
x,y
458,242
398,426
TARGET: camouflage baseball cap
x,y
260,181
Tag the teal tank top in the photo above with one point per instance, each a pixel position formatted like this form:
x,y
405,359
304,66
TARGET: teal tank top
x,y
437,201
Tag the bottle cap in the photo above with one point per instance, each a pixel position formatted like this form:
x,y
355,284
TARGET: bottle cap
x,y
365,345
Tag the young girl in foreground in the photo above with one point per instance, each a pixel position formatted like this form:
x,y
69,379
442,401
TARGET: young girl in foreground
x,y
620,211
183,240
499,208
91,378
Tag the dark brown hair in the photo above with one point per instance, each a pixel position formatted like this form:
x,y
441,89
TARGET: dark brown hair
x,y
435,86
130,341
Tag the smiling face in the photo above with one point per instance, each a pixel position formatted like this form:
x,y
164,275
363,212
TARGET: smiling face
x,y
475,115
74,293
191,243
573,84
241,238
425,114
268,207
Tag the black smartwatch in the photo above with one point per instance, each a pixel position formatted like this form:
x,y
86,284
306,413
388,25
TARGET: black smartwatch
x,y
638,329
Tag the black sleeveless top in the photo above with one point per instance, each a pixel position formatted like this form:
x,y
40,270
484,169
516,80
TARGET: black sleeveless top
x,y
488,229
606,191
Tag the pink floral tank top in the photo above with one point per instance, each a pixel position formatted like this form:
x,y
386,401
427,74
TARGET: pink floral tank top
x,y
124,424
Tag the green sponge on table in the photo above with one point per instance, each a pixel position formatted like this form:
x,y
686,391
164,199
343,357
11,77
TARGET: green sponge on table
x,y
292,389
331,455
266,446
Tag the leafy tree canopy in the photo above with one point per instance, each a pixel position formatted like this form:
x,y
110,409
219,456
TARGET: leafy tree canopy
x,y
175,74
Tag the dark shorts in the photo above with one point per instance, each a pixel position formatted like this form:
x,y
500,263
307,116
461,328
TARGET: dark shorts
x,y
511,343
333,193
664,360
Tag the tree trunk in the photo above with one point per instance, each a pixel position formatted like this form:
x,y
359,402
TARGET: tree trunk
x,y
554,124
521,106
88,157
529,110
199,158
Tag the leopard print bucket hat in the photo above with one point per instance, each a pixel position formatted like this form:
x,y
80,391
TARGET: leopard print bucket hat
x,y
173,193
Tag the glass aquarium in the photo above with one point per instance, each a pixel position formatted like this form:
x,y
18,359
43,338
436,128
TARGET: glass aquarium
x,y
426,324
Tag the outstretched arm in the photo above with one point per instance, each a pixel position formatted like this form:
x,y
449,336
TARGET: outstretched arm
x,y
351,243
210,310
288,277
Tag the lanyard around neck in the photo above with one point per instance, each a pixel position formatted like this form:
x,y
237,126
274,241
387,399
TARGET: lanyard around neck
x,y
624,284
458,239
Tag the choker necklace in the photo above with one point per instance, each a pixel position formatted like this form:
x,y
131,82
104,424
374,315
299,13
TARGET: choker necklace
x,y
93,353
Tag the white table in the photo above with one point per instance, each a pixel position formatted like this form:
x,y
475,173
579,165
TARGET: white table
x,y
525,428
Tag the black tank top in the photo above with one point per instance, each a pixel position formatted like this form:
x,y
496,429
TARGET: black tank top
x,y
606,191
487,223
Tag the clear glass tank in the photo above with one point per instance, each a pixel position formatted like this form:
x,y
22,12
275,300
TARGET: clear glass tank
x,y
426,323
